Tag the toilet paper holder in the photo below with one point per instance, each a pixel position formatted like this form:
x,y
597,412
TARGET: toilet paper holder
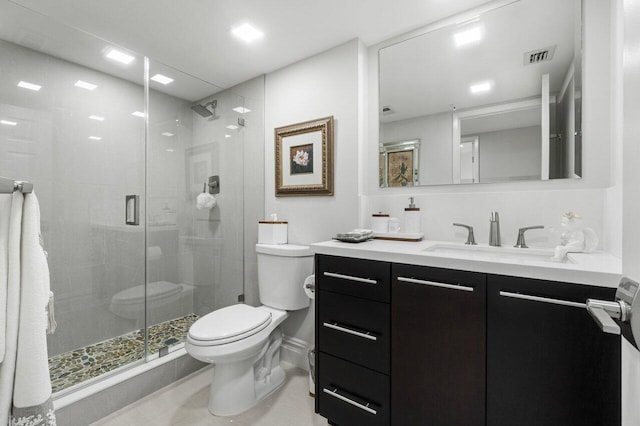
x,y
309,286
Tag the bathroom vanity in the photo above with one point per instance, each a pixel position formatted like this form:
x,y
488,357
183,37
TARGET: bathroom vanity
x,y
439,334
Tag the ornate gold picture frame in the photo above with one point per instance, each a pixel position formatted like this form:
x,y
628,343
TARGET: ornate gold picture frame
x,y
304,158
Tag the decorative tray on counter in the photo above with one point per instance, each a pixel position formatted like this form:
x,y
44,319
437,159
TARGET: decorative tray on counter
x,y
398,236
355,236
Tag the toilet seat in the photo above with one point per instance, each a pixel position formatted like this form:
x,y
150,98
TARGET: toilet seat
x,y
157,290
228,325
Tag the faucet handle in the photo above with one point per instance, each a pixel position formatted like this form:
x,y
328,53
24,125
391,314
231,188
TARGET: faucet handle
x,y
521,242
471,240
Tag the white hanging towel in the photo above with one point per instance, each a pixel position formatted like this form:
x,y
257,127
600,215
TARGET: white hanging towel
x,y
31,395
8,366
5,214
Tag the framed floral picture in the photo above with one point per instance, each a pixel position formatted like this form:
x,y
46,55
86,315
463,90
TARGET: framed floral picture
x,y
399,163
304,158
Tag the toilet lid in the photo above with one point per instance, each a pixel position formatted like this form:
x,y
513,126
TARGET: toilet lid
x,y
229,324
155,290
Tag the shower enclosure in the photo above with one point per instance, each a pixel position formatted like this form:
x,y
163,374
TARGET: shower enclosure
x,y
117,156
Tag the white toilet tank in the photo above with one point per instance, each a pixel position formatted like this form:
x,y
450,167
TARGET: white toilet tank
x,y
282,269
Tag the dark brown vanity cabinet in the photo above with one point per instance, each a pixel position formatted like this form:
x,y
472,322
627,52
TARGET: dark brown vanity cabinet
x,y
412,345
352,341
548,363
438,347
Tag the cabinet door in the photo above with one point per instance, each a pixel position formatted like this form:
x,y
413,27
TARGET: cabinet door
x,y
438,321
549,363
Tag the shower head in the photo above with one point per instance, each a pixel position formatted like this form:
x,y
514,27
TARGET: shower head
x,y
203,110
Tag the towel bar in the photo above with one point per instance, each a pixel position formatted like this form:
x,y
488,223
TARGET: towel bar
x,y
7,186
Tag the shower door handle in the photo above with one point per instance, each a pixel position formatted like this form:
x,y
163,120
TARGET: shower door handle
x,y
132,209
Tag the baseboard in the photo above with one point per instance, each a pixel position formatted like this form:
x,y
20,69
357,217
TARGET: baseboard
x,y
294,351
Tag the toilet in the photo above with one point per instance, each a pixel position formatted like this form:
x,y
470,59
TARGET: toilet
x,y
164,301
244,341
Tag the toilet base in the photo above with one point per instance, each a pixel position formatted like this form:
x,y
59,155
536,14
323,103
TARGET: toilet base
x,y
240,385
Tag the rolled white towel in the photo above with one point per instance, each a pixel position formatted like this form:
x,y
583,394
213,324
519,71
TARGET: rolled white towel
x,y
206,201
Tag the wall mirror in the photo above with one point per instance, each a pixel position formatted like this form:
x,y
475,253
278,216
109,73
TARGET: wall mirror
x,y
495,97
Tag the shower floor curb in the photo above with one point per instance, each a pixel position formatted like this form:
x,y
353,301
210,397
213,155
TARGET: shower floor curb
x,y
118,376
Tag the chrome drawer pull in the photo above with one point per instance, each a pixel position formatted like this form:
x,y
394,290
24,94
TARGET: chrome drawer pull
x,y
334,393
350,278
335,326
543,299
435,284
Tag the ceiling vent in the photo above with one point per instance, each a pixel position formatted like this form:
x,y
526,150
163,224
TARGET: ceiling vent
x,y
386,110
539,55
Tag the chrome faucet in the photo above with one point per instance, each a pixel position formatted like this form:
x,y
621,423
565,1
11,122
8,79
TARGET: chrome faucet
x,y
494,230
471,240
521,243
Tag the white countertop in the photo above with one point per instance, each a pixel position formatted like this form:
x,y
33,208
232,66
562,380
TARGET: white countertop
x,y
597,268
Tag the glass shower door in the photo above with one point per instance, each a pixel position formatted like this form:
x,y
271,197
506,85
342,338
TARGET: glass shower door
x,y
76,131
194,255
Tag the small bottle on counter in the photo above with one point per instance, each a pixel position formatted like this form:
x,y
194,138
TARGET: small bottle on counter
x,y
412,218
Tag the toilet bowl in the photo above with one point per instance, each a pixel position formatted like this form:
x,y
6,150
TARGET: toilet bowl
x,y
165,301
244,341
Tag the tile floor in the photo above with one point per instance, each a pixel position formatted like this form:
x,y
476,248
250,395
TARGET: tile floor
x,y
184,403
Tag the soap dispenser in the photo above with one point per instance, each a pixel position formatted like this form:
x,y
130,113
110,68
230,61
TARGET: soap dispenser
x,y
412,218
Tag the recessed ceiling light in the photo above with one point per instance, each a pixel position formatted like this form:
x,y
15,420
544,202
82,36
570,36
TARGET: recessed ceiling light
x,y
232,127
485,86
8,123
96,117
169,150
247,33
30,86
95,138
227,136
241,110
167,134
119,56
85,85
468,36
162,79
138,114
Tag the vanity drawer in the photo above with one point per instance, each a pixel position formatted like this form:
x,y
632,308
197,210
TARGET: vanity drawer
x,y
355,277
355,329
351,395
445,279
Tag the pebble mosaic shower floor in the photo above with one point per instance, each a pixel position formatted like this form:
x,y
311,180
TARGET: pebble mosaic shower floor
x,y
76,366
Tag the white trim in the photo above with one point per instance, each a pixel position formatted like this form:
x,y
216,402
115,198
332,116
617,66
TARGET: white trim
x,y
500,108
455,147
294,351
565,84
544,123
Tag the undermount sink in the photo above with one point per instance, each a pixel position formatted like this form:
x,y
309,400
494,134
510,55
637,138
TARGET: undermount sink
x,y
482,252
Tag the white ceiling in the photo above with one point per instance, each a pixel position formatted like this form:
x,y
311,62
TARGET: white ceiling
x,y
428,74
194,35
